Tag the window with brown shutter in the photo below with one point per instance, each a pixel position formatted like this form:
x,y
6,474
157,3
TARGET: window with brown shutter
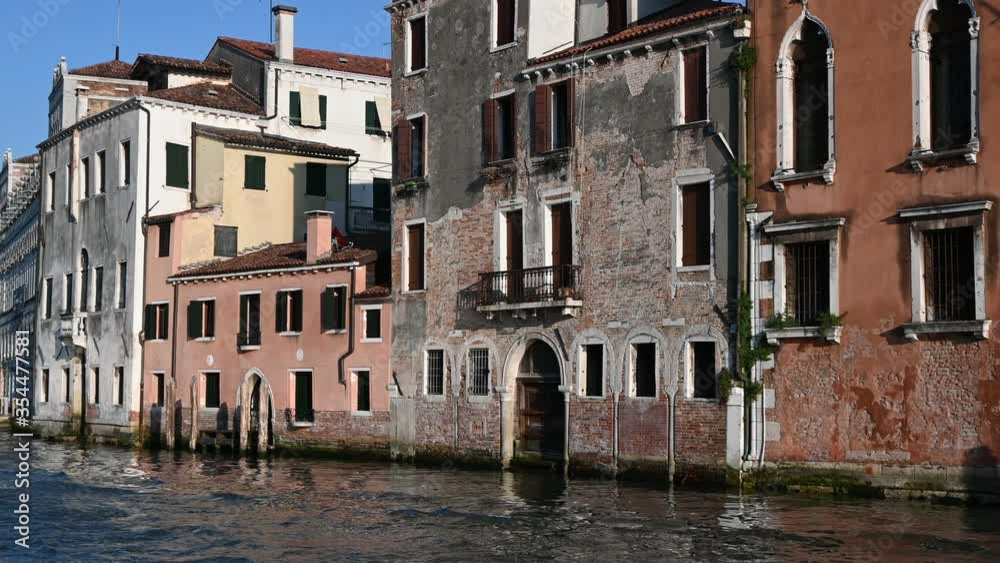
x,y
489,130
499,126
695,85
562,103
418,44
617,15
543,116
562,235
696,222
505,21
415,257
403,137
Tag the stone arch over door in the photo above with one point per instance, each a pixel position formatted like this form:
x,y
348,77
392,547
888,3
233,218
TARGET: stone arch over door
x,y
255,408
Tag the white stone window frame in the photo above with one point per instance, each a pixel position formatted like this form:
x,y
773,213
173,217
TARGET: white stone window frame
x,y
920,46
924,219
500,250
364,324
118,398
94,385
69,299
681,99
203,390
549,200
260,311
494,24
831,230
121,285
157,305
186,143
283,292
491,365
785,88
202,301
427,39
630,375
687,365
346,289
405,273
354,390
154,392
50,191
292,383
100,184
48,287
444,369
121,163
581,369
683,179
44,382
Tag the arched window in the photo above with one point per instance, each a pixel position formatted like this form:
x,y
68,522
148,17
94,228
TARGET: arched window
x,y
84,280
945,47
805,103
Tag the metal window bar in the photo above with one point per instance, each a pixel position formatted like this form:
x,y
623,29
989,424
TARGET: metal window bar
x,y
949,275
808,281
435,372
479,371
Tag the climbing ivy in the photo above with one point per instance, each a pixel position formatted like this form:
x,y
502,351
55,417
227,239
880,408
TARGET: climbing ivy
x,y
751,352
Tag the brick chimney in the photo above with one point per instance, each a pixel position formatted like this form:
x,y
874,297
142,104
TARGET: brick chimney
x,y
284,33
319,235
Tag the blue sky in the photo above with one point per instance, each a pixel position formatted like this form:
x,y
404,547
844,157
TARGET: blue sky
x,y
35,33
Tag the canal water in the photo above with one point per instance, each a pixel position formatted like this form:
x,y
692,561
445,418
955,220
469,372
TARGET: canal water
x,y
105,504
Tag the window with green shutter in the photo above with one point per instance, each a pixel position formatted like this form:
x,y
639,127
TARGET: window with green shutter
x,y
255,170
226,241
177,166
294,108
316,179
373,125
322,111
333,309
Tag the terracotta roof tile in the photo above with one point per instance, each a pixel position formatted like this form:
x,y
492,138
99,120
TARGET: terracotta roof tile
x,y
109,69
375,292
254,139
192,65
277,257
687,12
224,97
372,66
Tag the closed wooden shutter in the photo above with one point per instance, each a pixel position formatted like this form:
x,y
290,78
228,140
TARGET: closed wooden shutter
x,y
296,304
505,22
404,149
562,235
326,309
695,85
543,119
322,111
515,241
194,319
571,112
295,108
177,166
163,321
372,122
149,326
490,130
255,172
415,272
697,226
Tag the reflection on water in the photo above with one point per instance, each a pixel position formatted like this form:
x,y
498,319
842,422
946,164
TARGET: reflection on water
x,y
110,504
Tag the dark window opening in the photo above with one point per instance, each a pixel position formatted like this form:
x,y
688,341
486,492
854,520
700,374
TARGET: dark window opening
x,y
499,128
418,44
122,284
696,234
47,311
201,319
288,311
160,394
417,147
98,289
50,196
950,274
435,372
254,172
807,281
316,179
85,177
120,385
303,396
157,322
333,309
69,300
479,372
950,77
695,85
164,240
617,15
226,241
644,369
505,21
561,116
212,391
102,172
249,334
373,122
373,324
84,281
594,367
812,100
704,370
363,399
126,170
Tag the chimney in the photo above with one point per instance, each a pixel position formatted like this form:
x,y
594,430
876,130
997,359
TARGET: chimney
x,y
284,33
319,235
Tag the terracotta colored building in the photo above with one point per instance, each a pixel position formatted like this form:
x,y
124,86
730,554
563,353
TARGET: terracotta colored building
x,y
873,235
285,345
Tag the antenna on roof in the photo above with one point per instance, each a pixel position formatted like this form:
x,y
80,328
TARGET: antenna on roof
x,y
118,32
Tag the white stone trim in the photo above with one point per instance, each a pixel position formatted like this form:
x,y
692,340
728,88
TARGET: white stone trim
x,y
688,178
409,71
405,273
680,118
945,210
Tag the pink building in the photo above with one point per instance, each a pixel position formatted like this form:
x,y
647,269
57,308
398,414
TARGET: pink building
x,y
284,345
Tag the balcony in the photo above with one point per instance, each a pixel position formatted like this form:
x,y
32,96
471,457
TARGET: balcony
x,y
73,329
520,292
368,220
246,341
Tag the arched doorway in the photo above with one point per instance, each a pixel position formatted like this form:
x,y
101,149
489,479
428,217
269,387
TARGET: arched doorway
x,y
256,408
541,406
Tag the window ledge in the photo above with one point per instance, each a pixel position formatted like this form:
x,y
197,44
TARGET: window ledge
x,y
646,399
782,177
552,155
776,335
414,292
588,399
371,340
705,268
978,329
290,334
205,339
434,398
249,348
480,399
303,424
179,188
361,413
700,124
335,332
503,47
417,72
919,157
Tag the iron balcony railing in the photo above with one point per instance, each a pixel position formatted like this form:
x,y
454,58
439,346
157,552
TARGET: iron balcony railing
x,y
368,220
533,285
248,339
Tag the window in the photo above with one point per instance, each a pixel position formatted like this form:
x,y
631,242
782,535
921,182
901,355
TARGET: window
x,y
316,179
592,370
409,138
617,15
479,372
499,126
84,280
164,240
226,241
554,107
307,109
47,295
333,309
201,319
94,389
125,172
102,172
373,124
288,311
50,193
303,396
414,251
373,323
806,114
67,186
254,172
157,322
695,85
807,281
417,44
703,370
67,385
44,387
177,166
505,19
363,391
249,335
434,373
119,388
212,390
85,178
643,369
950,274
696,225
160,393
68,294
120,290
98,288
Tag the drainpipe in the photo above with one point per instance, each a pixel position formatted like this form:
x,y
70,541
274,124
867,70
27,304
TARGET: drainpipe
x,y
142,356
614,445
173,372
277,82
670,437
350,336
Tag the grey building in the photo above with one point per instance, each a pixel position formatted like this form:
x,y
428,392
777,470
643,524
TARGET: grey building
x,y
565,231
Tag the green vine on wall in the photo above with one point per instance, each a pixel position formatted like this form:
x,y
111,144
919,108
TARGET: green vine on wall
x,y
750,353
